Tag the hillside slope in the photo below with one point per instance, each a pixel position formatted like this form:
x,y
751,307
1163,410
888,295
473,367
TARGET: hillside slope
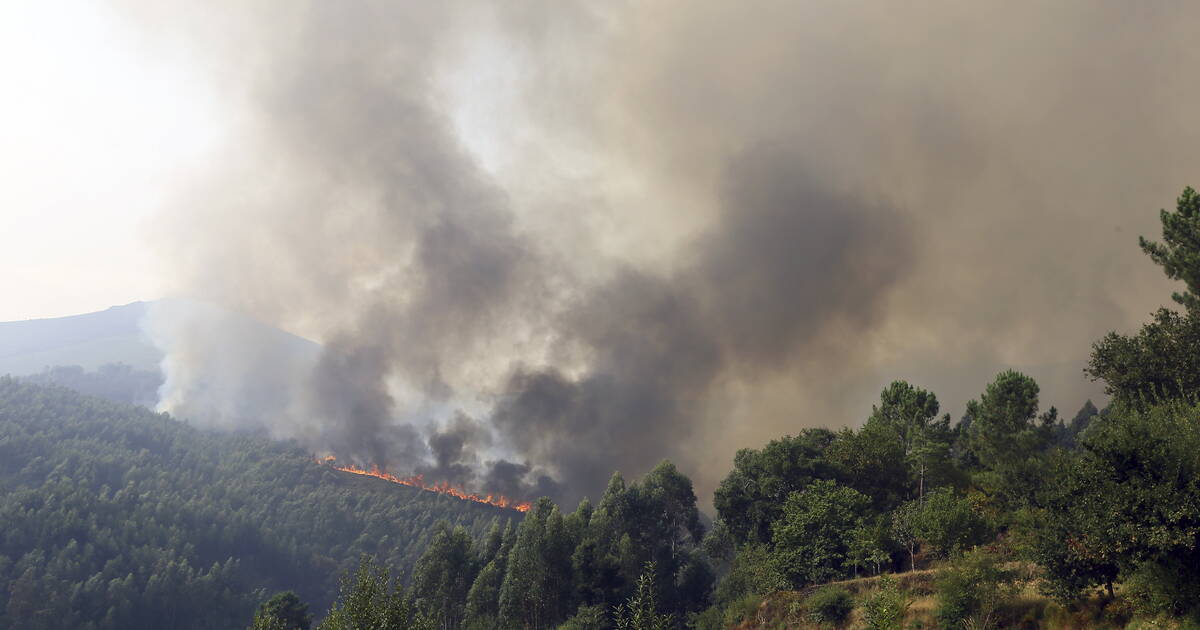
x,y
1027,608
112,516
88,340
118,335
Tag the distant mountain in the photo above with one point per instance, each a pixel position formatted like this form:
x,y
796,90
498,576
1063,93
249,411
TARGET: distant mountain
x,y
89,341
110,353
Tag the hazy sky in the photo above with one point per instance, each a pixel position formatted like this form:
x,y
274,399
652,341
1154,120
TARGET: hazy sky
x,y
94,134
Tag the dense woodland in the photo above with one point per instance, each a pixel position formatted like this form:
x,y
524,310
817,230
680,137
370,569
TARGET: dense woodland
x,y
117,517
112,516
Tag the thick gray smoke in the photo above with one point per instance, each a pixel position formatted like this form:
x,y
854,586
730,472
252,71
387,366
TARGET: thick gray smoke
x,y
540,242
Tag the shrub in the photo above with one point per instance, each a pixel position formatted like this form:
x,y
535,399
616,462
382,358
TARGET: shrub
x,y
752,573
971,592
884,610
741,610
640,611
1164,587
587,618
830,604
711,618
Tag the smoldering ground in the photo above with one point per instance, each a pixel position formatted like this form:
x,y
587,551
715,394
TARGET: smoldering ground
x,y
611,233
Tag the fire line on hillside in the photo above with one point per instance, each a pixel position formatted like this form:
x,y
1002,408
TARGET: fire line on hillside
x,y
418,481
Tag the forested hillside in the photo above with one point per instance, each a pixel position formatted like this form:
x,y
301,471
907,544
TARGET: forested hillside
x,y
118,382
112,516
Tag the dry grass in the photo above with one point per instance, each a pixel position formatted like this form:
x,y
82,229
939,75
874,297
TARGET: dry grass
x,y
1029,610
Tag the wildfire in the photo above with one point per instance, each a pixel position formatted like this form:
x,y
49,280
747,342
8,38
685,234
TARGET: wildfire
x,y
418,481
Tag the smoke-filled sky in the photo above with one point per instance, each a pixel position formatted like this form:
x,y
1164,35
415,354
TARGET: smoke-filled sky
x,y
540,240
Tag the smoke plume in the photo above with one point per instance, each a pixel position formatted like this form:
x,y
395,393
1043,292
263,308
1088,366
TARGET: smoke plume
x,y
542,241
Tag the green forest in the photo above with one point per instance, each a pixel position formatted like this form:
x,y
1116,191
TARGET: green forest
x,y
1011,516
112,516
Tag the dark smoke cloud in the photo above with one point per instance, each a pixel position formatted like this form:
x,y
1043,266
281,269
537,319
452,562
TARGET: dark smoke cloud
x,y
454,449
368,219
787,260
609,233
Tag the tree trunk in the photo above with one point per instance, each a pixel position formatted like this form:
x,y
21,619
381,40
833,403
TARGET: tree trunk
x,y
1109,586
921,491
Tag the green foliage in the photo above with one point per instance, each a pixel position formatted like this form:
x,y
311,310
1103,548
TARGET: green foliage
x,y
926,440
751,497
906,529
444,575
1128,505
588,618
1072,533
944,523
949,524
114,517
1166,587
266,622
1070,433
595,557
711,618
372,599
1179,253
972,592
752,573
870,545
640,611
654,520
1003,418
813,536
830,604
483,600
884,609
1162,362
872,460
740,610
537,587
284,611
910,409
1159,364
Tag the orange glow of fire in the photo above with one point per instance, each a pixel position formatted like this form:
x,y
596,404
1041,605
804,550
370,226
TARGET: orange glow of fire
x,y
418,481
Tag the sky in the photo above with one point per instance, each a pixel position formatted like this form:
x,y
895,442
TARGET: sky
x,y
542,240
95,133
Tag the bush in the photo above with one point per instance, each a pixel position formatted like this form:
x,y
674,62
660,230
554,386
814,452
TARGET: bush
x,y
752,573
884,610
1164,587
711,618
741,610
830,604
971,592
587,618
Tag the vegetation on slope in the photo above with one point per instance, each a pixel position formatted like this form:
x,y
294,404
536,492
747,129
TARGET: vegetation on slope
x,y
115,517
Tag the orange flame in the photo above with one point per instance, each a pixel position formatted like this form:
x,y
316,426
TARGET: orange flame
x,y
418,481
